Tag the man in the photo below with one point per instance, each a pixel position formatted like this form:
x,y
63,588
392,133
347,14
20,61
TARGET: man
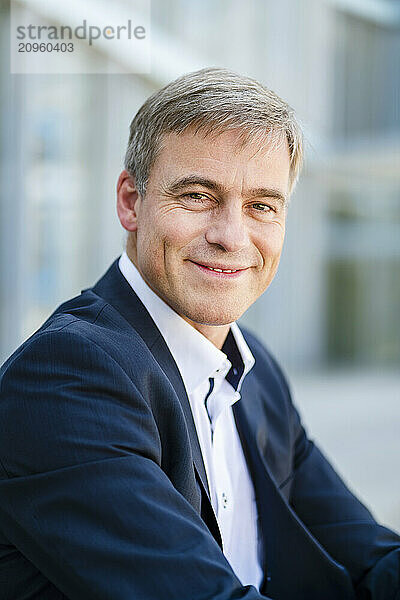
x,y
149,447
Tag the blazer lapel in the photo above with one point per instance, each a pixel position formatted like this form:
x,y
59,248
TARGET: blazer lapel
x,y
294,561
114,288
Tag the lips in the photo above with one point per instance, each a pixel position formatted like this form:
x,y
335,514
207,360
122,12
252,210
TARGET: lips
x,y
219,269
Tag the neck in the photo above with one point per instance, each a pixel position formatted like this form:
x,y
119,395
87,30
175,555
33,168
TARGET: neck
x,y
216,334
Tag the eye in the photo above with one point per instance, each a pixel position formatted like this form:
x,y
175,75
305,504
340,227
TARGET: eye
x,y
195,196
266,208
196,202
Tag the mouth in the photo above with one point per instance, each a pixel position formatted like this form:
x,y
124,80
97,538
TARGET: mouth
x,y
219,270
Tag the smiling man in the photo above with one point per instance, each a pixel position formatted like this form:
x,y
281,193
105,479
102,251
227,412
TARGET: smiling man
x,y
150,449
208,235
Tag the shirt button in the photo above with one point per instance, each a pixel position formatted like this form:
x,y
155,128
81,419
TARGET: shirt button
x,y
224,500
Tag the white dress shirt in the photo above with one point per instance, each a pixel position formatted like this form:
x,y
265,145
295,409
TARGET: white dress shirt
x,y
204,369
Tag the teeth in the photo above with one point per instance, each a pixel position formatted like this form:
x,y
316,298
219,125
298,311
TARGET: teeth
x,y
222,270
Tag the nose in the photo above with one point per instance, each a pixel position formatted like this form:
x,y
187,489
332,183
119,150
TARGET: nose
x,y
228,229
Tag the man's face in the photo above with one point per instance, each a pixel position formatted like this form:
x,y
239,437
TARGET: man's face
x,y
210,206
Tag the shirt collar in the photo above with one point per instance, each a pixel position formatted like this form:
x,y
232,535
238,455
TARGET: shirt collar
x,y
241,358
196,357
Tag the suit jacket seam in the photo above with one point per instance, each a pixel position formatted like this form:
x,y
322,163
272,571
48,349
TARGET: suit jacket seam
x,y
122,316
106,352
287,480
5,470
100,311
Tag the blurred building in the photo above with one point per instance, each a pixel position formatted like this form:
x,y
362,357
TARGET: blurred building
x,y
336,298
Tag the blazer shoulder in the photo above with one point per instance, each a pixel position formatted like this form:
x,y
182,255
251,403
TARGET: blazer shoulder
x,y
86,318
70,314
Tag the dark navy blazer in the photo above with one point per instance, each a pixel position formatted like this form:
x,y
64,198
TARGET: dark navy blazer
x,y
103,492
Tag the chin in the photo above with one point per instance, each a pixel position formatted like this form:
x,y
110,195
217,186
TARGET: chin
x,y
214,315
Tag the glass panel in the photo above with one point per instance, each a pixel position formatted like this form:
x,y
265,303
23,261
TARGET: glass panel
x,y
363,279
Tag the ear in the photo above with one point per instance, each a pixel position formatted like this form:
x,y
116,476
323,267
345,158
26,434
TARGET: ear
x,y
127,201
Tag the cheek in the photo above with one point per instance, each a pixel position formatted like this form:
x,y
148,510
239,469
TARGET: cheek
x,y
271,243
149,248
180,231
160,240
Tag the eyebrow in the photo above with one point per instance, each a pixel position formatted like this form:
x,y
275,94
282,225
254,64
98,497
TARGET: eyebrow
x,y
178,184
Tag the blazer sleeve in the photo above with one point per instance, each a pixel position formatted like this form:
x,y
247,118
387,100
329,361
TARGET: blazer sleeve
x,y
83,496
342,524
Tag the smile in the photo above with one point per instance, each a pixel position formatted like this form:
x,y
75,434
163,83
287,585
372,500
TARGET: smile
x,y
222,270
219,271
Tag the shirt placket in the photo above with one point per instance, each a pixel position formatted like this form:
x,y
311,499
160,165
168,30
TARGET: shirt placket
x,y
220,404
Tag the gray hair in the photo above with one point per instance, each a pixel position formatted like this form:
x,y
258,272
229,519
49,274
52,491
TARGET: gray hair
x,y
211,100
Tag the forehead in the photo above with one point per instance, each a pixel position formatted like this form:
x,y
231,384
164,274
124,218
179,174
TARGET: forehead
x,y
224,157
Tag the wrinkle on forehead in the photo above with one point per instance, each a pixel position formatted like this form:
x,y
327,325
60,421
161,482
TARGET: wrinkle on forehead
x,y
239,160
